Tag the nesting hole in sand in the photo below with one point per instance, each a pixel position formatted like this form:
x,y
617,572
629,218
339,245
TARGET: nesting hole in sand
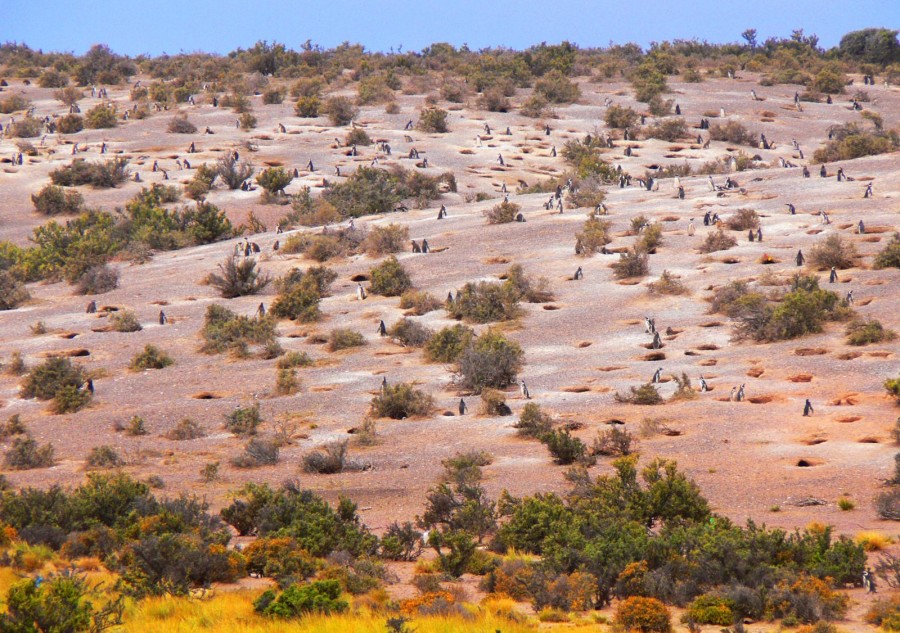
x,y
815,441
760,399
868,439
614,421
206,395
68,335
576,389
317,339
583,344
849,400
550,306
708,347
360,277
880,354
109,309
448,414
654,356
731,260
810,351
808,462
611,368
849,419
629,282
496,260
756,372
872,238
801,378
76,353
710,362
711,324
849,355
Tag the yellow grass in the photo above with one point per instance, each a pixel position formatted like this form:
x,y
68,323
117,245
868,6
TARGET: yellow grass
x,y
232,612
873,541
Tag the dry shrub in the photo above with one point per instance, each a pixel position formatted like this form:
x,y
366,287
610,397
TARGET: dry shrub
x,y
98,279
593,237
257,452
502,213
493,402
732,132
344,338
419,302
667,284
410,333
383,240
742,220
185,430
832,251
717,241
632,263
401,401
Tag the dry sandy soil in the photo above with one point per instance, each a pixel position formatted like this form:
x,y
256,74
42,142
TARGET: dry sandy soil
x,y
580,349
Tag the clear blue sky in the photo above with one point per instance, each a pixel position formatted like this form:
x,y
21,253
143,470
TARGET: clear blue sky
x,y
156,26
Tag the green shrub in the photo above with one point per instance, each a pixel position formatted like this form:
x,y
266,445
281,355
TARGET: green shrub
x,y
247,121
830,80
383,240
294,359
125,321
533,422
151,358
433,120
243,420
69,124
299,301
401,401
100,117
711,609
28,127
732,132
273,97
401,542
493,100
279,558
329,459
557,88
493,402
861,332
52,78
668,130
180,124
308,107
565,448
419,302
185,430
717,240
850,141
448,344
632,263
257,452
502,213
464,468
224,330
321,596
485,302
593,237
357,136
46,380
614,442
107,174
620,117
889,256
238,278
648,82
646,615
344,338
742,220
25,454
136,426
366,191
645,394
390,278
340,110
233,172
491,360
104,457
275,179
410,333
286,382
12,291
61,603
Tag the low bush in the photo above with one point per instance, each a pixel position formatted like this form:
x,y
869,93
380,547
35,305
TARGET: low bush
x,y
181,125
889,256
419,302
502,213
69,124
864,332
620,117
257,452
274,180
717,240
136,426
614,442
294,359
732,132
387,239
238,278
286,382
493,402
667,284
340,110
104,457
668,130
107,174
491,360
233,172
390,278
224,330
185,430
485,302
401,542
645,394
100,117
54,200
565,448
448,344
433,120
25,453
401,401
98,280
125,321
711,609
357,136
646,615
244,420
851,141
493,100
280,558
12,291
273,97
832,251
742,220
344,338
308,107
632,263
28,127
329,459
464,468
533,422
56,377
593,237
557,88
321,596
298,301
151,358
410,333
247,121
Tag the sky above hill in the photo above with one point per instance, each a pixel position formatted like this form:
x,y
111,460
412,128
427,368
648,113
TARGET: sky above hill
x,y
167,26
